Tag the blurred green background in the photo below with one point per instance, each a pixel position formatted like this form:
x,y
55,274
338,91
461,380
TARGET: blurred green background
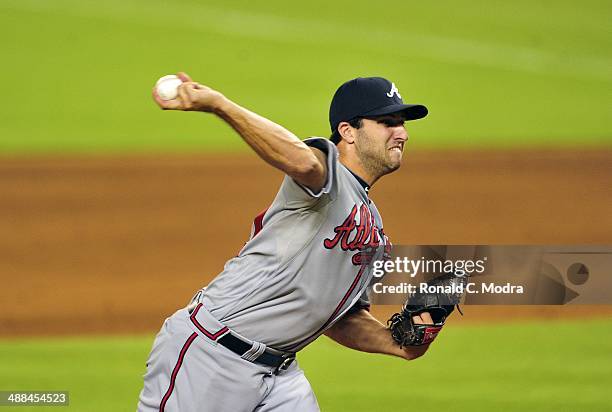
x,y
78,73
473,368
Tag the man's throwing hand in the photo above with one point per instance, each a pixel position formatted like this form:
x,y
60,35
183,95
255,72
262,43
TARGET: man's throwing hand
x,y
192,96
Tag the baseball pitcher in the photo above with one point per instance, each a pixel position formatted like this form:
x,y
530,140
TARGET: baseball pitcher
x,y
303,272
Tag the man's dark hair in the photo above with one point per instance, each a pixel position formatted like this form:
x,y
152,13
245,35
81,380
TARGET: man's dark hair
x,y
356,123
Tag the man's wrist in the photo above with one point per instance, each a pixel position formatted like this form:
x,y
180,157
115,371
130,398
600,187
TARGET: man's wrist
x,y
221,105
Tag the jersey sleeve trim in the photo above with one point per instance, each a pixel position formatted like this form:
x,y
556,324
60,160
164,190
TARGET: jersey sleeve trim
x,y
331,152
362,303
357,307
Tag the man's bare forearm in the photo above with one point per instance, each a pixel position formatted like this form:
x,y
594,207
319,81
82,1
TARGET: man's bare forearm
x,y
274,144
363,332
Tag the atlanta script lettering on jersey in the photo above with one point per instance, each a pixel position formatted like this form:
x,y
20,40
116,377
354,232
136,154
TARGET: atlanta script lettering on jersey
x,y
364,236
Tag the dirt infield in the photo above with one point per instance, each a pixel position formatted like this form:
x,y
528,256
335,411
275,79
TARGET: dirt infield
x,y
100,244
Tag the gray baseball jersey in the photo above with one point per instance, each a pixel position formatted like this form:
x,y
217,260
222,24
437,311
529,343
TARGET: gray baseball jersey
x,y
306,262
305,266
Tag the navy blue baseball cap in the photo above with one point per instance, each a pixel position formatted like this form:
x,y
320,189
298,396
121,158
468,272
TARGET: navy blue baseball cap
x,y
368,97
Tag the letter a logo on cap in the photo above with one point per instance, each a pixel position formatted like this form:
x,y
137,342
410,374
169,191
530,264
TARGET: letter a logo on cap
x,y
393,91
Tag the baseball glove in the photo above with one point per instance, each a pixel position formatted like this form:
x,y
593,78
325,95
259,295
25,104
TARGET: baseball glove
x,y
439,305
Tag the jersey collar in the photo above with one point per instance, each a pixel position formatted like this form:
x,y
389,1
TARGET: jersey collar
x,y
362,182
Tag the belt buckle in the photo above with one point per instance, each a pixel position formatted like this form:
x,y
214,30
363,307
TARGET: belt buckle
x,y
284,365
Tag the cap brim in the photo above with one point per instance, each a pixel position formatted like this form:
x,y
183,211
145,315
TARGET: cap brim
x,y
411,111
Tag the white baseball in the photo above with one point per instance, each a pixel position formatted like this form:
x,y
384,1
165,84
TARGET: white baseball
x,y
167,87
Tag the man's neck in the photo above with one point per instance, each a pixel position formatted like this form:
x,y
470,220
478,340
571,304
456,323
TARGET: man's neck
x,y
357,169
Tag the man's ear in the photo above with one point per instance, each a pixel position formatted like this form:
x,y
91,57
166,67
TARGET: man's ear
x,y
346,132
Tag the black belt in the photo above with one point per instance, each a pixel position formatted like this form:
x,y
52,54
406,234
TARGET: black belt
x,y
240,347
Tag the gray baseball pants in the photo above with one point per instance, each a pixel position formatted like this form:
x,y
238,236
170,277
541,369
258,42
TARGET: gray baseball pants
x,y
188,370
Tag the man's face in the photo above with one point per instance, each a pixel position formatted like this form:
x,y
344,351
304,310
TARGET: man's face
x,y
380,143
